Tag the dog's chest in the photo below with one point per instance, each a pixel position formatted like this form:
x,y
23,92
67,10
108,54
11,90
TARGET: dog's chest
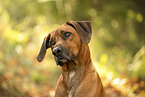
x,y
69,78
71,75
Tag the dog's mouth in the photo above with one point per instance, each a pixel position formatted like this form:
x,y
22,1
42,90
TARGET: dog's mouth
x,y
62,60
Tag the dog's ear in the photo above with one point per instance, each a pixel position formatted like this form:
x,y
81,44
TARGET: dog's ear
x,y
44,47
83,29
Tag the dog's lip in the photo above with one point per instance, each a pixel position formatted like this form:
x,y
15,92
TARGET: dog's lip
x,y
62,60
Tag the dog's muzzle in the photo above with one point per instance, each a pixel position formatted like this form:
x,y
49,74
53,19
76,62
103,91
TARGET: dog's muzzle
x,y
60,56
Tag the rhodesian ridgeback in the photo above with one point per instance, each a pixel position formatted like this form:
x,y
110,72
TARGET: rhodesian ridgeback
x,y
69,45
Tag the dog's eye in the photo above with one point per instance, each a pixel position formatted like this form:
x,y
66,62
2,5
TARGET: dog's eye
x,y
67,34
52,43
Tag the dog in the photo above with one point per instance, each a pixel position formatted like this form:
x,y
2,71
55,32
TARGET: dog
x,y
69,45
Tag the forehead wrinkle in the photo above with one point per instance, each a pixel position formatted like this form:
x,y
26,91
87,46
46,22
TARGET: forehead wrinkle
x,y
67,29
62,32
55,35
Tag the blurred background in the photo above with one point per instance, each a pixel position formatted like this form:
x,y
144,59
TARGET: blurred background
x,y
117,46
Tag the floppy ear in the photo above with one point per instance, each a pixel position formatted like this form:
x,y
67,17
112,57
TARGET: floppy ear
x,y
44,46
83,28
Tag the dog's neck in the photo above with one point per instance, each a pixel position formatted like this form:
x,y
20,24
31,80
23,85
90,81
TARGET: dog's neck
x,y
83,53
72,68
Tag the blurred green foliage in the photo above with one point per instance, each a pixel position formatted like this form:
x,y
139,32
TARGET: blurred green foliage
x,y
117,45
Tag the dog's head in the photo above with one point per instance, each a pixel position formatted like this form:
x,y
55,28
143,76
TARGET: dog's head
x,y
65,41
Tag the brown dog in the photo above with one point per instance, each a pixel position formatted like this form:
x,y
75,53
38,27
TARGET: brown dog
x,y
69,44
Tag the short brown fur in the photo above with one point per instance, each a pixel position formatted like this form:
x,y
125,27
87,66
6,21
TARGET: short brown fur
x,y
79,77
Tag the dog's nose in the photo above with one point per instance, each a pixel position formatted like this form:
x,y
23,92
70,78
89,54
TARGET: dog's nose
x,y
57,51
